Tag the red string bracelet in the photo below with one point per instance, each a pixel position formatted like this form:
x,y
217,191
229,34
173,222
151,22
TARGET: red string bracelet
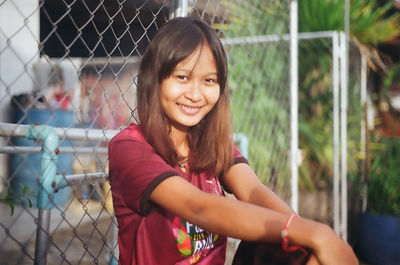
x,y
285,239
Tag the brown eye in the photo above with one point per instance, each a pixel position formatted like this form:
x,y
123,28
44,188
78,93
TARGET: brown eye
x,y
210,80
182,77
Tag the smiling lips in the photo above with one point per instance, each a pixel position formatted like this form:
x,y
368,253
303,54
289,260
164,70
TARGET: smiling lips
x,y
189,110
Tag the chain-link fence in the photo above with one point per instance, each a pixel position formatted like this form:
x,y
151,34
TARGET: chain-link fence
x,y
322,120
316,98
72,65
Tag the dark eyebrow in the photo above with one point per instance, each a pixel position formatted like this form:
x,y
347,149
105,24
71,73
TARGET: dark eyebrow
x,y
190,71
212,73
183,70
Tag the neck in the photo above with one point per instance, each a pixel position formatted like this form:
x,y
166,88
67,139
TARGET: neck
x,y
179,138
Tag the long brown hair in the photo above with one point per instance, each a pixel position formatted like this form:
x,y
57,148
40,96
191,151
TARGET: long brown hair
x,y
210,141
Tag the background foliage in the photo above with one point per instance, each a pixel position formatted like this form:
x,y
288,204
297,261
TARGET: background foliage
x,y
370,25
384,176
259,75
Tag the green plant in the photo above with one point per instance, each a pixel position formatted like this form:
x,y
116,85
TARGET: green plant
x,y
369,26
369,23
258,74
8,197
384,176
392,77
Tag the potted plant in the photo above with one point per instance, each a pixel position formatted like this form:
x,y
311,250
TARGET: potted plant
x,y
379,226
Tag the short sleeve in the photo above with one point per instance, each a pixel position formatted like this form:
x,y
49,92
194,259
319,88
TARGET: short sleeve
x,y
238,157
135,171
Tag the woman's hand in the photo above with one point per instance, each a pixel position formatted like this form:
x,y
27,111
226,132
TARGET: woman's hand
x,y
313,260
332,250
326,246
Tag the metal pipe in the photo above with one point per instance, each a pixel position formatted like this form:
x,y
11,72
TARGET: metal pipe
x,y
316,35
48,167
63,150
114,243
343,118
78,134
86,134
42,237
179,9
86,178
294,160
346,40
10,129
275,38
336,166
115,60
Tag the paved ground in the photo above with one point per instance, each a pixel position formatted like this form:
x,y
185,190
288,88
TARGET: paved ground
x,y
77,236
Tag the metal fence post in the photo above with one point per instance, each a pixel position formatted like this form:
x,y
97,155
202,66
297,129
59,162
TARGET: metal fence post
x,y
294,158
336,159
179,8
343,128
46,190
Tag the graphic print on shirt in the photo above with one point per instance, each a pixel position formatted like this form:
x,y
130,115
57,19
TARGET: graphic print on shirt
x,y
191,239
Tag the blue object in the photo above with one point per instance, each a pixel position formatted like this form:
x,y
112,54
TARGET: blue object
x,y
113,261
25,169
243,143
379,239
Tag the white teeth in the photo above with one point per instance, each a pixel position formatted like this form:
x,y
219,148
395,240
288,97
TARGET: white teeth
x,y
185,107
189,110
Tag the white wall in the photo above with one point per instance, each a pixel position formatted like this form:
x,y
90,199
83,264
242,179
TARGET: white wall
x,y
19,38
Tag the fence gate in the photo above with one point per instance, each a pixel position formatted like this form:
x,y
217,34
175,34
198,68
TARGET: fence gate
x,y
330,125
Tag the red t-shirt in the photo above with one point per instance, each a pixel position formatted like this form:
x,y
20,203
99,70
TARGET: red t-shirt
x,y
148,234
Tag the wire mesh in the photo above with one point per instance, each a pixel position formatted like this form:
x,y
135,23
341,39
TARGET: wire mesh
x,y
259,80
316,126
67,64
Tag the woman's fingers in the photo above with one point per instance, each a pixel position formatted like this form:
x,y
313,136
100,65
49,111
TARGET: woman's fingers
x,y
313,260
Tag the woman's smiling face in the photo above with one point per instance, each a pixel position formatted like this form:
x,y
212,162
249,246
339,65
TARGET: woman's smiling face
x,y
192,89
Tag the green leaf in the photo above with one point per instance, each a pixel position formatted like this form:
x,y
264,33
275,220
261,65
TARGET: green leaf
x,y
370,24
11,204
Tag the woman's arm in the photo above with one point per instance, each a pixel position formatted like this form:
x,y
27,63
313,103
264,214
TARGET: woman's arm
x,y
245,185
248,221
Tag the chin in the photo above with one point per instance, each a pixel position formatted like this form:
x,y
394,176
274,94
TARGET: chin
x,y
191,124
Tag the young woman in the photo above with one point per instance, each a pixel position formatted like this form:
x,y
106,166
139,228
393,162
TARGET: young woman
x,y
167,172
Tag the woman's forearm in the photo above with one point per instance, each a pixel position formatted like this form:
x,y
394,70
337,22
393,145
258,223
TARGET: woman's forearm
x,y
246,186
249,222
221,215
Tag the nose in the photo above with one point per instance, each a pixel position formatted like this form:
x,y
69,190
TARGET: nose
x,y
194,92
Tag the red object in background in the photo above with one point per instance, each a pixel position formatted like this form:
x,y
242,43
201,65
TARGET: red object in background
x,y
63,101
390,125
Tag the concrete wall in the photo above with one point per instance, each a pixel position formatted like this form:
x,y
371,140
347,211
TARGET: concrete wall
x,y
19,40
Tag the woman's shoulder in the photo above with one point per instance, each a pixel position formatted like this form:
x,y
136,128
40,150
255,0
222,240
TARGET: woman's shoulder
x,y
132,134
128,142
